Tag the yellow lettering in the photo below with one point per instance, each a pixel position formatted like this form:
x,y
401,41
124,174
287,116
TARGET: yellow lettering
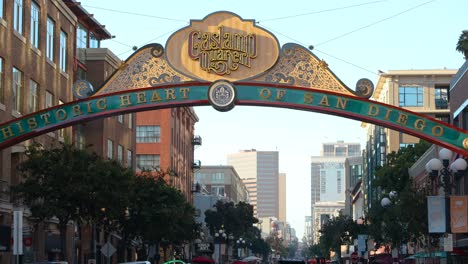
x,y
45,117
125,100
7,132
155,97
61,114
387,114
308,98
280,94
32,123
141,98
324,101
20,127
373,110
402,118
341,103
88,104
419,124
77,110
265,93
437,131
185,92
170,94
101,104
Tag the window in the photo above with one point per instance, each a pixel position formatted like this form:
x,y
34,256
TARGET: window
x,y
441,97
110,149
130,121
443,118
50,39
411,96
338,181
81,37
129,158
148,134
2,87
63,51
217,190
120,153
81,73
323,181
405,145
120,119
17,86
34,25
18,16
148,162
93,41
33,97
1,8
49,99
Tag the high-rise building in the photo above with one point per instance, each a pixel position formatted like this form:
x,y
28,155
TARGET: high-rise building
x,y
282,197
330,178
340,149
259,170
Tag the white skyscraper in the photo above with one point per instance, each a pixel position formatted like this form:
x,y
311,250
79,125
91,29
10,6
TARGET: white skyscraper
x,y
330,184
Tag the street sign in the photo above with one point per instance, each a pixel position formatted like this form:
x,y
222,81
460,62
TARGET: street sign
x,y
108,250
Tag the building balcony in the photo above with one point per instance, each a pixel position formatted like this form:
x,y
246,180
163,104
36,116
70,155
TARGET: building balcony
x,y
441,104
196,164
197,141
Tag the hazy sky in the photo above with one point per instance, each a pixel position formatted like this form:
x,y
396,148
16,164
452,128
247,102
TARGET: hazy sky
x,y
356,39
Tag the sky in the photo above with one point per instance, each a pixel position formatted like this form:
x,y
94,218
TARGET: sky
x,y
357,38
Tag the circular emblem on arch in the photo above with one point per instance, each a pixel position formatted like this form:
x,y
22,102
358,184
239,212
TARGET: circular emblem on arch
x,y
222,95
82,89
364,88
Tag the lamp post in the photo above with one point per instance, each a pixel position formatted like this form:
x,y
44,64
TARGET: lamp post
x,y
445,174
385,203
220,235
240,247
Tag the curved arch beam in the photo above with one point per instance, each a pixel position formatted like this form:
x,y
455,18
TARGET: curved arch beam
x,y
274,95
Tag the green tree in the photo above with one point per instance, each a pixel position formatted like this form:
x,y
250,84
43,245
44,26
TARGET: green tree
x,y
237,220
158,214
462,44
258,245
293,246
339,230
406,218
72,185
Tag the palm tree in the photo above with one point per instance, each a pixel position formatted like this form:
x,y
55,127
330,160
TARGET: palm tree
x,y
462,44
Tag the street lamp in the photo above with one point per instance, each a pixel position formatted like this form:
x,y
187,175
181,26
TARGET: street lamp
x,y
444,174
240,246
387,201
220,235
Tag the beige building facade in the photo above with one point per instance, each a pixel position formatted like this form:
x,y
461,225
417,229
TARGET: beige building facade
x,y
420,91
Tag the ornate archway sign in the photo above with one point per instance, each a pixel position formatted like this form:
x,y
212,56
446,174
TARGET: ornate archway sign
x,y
225,61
